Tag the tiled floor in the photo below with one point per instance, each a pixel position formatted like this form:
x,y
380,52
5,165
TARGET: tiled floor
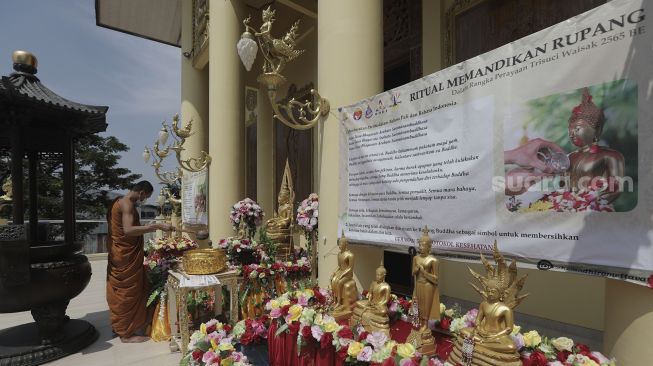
x,y
91,305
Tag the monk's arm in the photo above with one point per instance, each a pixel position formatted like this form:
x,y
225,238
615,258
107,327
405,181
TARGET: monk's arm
x,y
127,222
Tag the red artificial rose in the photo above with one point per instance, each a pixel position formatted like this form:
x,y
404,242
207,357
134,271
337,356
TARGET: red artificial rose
x,y
389,362
197,355
583,348
346,333
319,297
248,337
405,304
363,336
293,328
326,340
306,332
227,328
284,310
210,329
562,356
538,358
445,323
342,352
293,301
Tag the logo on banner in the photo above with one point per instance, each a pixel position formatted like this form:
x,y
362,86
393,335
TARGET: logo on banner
x,y
544,265
380,109
394,97
369,112
358,113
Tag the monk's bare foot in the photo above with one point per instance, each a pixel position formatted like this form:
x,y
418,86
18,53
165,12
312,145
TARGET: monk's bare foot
x,y
134,339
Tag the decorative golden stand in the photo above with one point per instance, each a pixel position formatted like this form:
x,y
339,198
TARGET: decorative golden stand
x,y
178,313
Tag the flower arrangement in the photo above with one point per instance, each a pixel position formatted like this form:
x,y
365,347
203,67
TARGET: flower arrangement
x,y
398,307
249,212
251,331
240,250
265,271
565,201
212,345
307,214
171,245
536,350
157,266
303,313
199,304
161,255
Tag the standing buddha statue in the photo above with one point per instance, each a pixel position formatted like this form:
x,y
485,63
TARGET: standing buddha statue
x,y
372,313
489,342
426,294
343,286
591,161
278,228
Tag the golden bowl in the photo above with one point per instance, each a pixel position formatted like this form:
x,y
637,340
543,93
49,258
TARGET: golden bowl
x,y
204,261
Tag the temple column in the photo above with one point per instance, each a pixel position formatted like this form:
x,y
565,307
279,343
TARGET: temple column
x,y
194,89
431,36
265,194
226,115
350,68
628,323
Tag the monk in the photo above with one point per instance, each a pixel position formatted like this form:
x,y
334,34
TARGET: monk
x,y
126,282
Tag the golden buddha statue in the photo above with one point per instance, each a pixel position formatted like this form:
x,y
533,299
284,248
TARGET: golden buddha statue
x,y
489,342
592,161
343,286
372,313
278,228
426,294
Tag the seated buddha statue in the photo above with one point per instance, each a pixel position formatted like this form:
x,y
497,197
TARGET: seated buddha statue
x,y
489,342
372,313
591,162
343,286
278,228
426,294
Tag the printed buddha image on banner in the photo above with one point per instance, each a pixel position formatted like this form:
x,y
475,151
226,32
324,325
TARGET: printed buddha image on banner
x,y
195,191
543,144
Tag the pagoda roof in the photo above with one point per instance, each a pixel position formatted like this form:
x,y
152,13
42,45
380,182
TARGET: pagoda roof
x,y
23,91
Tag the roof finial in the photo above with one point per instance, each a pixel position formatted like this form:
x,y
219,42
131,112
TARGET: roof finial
x,y
24,61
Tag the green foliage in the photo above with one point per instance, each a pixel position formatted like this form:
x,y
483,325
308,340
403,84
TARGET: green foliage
x,y
96,174
549,116
268,245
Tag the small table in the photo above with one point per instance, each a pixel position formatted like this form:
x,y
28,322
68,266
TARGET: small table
x,y
178,313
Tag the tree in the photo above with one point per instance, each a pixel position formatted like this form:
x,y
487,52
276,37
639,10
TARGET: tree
x,y
96,174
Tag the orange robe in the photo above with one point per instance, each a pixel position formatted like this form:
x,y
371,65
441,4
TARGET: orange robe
x,y
126,283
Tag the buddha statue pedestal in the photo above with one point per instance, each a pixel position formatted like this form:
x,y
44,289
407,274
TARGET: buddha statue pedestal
x,y
489,342
482,355
423,341
372,313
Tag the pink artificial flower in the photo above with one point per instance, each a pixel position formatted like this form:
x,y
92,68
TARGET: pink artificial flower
x,y
365,354
209,356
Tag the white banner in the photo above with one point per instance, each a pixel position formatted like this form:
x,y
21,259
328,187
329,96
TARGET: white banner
x,y
194,195
544,144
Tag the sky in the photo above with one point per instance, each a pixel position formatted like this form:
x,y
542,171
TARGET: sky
x,y
139,79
